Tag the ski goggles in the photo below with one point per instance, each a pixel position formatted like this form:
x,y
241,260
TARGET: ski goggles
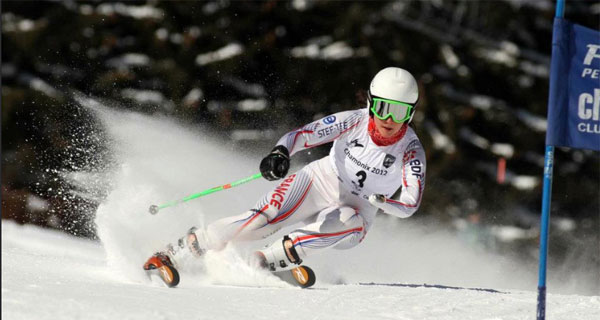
x,y
384,108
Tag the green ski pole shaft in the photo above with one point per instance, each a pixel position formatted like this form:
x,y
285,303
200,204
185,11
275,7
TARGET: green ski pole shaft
x,y
155,208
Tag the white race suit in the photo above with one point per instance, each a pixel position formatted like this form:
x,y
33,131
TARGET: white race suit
x,y
330,195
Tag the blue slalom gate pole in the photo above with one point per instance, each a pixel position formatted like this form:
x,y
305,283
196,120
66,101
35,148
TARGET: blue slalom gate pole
x,y
546,200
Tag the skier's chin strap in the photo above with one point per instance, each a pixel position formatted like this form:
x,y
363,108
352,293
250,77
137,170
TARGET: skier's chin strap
x,y
281,257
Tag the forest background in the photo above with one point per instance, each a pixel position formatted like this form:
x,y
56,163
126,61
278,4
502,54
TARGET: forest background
x,y
250,71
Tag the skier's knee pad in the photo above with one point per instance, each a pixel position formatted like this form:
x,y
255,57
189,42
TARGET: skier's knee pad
x,y
339,219
349,215
252,221
351,220
269,213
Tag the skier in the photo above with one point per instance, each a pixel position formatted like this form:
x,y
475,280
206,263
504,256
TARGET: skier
x,y
376,163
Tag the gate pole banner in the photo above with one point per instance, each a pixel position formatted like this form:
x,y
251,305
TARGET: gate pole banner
x,y
573,112
548,166
574,100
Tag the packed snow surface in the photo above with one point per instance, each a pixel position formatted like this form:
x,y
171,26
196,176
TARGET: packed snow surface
x,y
404,269
50,275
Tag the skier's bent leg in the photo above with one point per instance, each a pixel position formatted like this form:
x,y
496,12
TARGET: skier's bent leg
x,y
198,240
339,228
250,225
291,201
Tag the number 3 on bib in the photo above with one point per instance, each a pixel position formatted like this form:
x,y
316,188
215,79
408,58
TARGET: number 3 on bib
x,y
362,176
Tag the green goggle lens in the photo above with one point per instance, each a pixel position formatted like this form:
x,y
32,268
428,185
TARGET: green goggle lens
x,y
383,109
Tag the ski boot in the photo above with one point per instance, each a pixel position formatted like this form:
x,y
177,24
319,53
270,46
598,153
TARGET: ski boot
x,y
280,259
166,263
160,264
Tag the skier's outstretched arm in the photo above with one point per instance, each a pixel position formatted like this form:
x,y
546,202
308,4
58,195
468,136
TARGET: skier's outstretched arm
x,y
275,165
320,131
407,199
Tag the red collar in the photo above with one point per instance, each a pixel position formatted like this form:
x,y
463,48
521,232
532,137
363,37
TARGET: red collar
x,y
381,141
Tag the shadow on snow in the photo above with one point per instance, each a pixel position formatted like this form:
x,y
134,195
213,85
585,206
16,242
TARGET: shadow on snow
x,y
406,285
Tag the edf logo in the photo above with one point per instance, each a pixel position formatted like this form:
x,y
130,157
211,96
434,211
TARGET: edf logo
x,y
329,120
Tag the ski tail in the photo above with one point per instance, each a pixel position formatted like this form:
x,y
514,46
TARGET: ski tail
x,y
167,274
160,265
302,276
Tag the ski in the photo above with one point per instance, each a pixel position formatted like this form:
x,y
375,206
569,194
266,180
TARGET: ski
x,y
167,274
302,276
160,265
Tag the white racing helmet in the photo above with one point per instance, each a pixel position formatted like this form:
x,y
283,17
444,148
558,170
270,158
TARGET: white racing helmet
x,y
393,93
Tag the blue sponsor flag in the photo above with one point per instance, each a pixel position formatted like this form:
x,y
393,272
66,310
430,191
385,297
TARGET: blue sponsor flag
x,y
574,100
573,112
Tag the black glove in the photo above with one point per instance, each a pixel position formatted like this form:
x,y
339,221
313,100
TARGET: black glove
x,y
276,164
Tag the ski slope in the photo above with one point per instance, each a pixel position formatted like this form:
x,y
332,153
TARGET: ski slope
x,y
50,275
404,269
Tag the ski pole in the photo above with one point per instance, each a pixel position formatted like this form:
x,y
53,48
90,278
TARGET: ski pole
x,y
155,208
